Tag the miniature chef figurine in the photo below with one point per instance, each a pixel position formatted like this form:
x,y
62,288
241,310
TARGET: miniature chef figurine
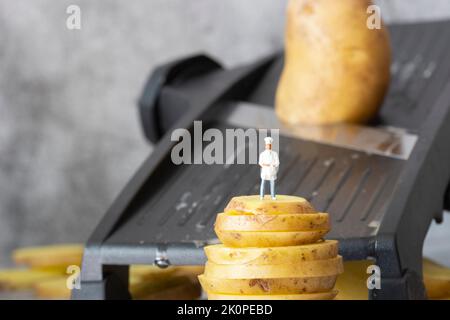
x,y
269,162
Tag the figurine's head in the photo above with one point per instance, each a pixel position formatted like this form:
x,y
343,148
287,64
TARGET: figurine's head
x,y
268,141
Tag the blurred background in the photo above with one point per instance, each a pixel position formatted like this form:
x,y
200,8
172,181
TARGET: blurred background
x,y
70,135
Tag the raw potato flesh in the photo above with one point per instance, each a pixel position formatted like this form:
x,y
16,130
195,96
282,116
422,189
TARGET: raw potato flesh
x,y
268,239
56,255
436,279
148,272
336,69
268,286
52,289
282,205
315,268
352,284
173,288
306,296
221,254
16,279
272,222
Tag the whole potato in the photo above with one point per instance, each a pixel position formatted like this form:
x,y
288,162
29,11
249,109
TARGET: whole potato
x,y
336,68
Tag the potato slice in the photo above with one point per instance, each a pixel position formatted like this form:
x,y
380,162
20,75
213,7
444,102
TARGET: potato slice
x,y
17,279
190,271
352,284
54,255
268,286
154,288
52,289
282,205
315,268
306,296
150,271
269,239
186,291
272,222
221,254
436,279
148,286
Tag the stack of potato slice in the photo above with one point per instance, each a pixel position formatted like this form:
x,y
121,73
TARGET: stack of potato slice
x,y
272,249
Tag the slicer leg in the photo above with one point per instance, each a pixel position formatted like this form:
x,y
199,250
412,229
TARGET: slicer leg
x,y
114,286
400,280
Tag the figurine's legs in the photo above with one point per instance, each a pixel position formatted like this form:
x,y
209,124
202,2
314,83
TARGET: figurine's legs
x,y
261,189
272,188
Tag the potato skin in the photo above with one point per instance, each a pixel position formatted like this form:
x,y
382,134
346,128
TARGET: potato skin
x,y
329,295
336,69
263,239
221,254
282,205
273,222
314,268
268,286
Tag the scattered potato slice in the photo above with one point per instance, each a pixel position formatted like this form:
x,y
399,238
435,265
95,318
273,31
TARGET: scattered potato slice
x,y
174,287
352,284
190,271
145,271
17,279
221,254
436,279
269,239
54,255
55,288
315,268
306,296
272,222
268,286
282,205
146,282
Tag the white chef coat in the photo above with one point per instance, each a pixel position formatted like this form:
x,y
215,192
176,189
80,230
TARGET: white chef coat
x,y
269,157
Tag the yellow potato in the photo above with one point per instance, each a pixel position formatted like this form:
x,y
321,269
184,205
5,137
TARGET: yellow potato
x,y
153,287
54,255
221,254
282,205
314,268
336,69
52,289
185,291
17,279
305,296
436,279
172,288
268,286
150,271
269,239
272,222
352,284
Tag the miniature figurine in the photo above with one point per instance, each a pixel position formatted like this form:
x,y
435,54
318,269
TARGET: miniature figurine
x,y
269,163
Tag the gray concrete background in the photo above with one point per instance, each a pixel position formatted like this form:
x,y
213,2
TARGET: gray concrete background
x,y
69,131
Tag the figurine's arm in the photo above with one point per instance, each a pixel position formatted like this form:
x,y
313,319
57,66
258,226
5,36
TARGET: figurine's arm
x,y
261,162
276,160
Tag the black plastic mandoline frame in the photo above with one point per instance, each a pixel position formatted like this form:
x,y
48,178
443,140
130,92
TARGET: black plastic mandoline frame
x,y
381,207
